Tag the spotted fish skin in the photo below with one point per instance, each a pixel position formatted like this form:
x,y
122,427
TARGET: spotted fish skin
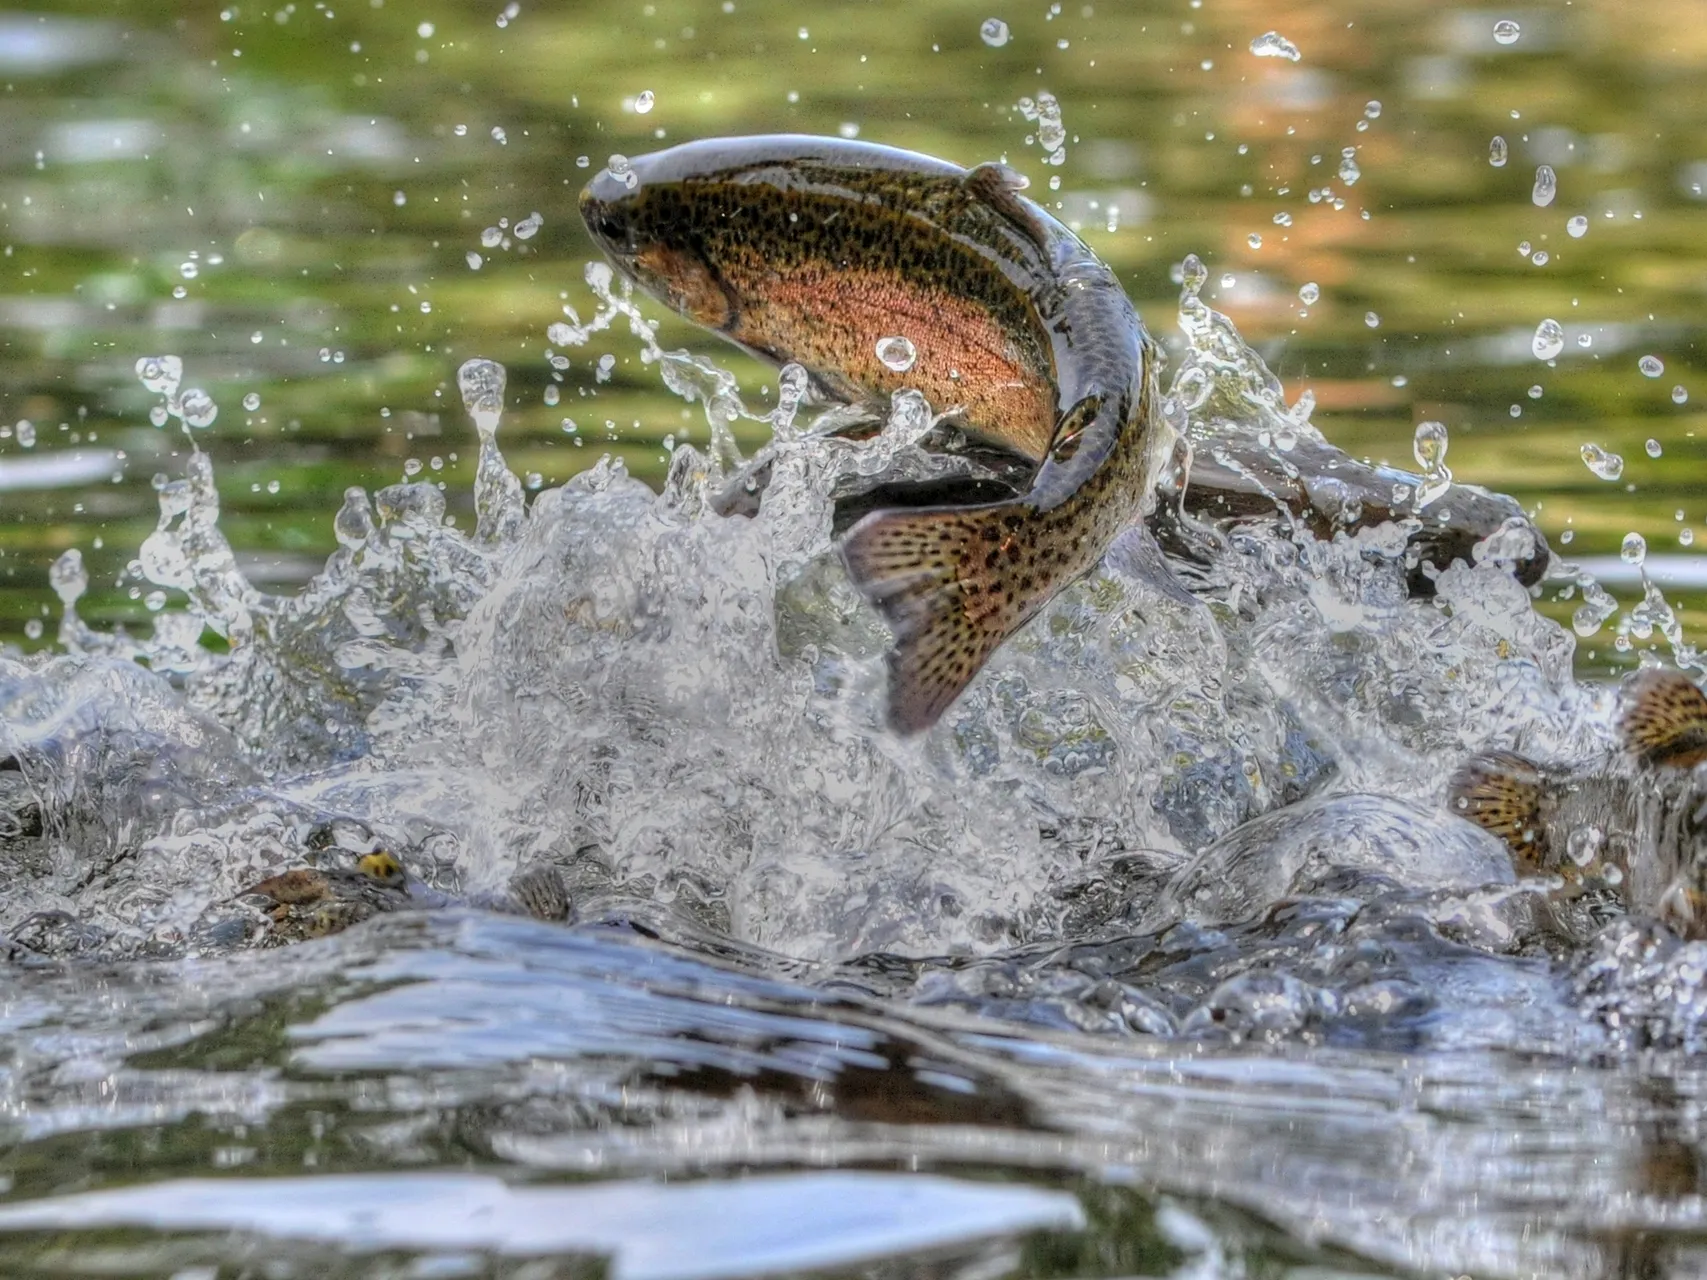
x,y
811,250
1641,813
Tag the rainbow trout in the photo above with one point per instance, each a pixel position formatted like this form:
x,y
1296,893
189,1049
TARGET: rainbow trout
x,y
1635,823
816,250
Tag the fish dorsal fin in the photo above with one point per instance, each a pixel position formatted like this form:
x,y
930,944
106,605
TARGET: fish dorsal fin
x,y
1665,719
998,185
1500,791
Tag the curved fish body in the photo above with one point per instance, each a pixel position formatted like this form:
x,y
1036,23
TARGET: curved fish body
x,y
815,250
1635,823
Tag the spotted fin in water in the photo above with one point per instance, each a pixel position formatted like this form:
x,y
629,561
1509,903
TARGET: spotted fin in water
x,y
1665,719
952,583
1500,791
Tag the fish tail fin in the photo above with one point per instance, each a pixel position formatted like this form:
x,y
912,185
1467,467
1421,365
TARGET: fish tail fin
x,y
1665,719
952,583
1500,792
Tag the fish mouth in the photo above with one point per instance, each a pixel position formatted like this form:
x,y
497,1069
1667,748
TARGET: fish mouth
x,y
609,205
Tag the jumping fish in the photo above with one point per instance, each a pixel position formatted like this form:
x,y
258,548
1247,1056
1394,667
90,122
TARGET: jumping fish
x,y
1636,821
816,251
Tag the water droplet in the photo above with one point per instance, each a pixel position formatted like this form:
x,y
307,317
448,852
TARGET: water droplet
x,y
1271,44
1309,293
1429,445
473,259
1349,172
1372,109
1524,248
529,226
154,601
482,385
1254,240
1546,185
1577,227
188,270
1371,319
1653,448
643,101
1539,258
252,402
1680,394
158,415
994,32
399,199
553,393
848,129
32,629
1549,340
897,353
499,136
160,374
1634,549
197,408
1606,465
26,433
1535,392
425,31
1497,152
623,171
1506,31
1585,340
1283,219
1651,366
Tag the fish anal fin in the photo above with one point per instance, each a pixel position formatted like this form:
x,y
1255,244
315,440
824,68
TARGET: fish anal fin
x,y
1665,719
948,581
1500,791
998,185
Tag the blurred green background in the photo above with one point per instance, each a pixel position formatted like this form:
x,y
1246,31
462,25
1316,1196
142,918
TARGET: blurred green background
x,y
291,197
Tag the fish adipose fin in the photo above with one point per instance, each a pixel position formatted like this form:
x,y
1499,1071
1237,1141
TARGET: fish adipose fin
x,y
1500,792
952,583
1665,719
998,186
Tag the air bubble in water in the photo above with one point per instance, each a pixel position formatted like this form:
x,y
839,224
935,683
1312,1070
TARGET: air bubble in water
x,y
1349,172
1651,366
1271,44
897,353
1546,185
643,101
994,32
1680,394
1582,846
1309,293
1549,340
1653,447
1577,227
1605,464
1634,549
160,374
1497,152
1506,31
252,402
198,408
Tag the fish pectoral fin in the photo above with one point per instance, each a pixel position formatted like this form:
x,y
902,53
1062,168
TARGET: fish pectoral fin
x,y
952,583
998,186
1136,554
1500,791
1665,719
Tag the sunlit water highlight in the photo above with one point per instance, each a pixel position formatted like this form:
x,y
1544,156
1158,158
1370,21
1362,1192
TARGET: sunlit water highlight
x,y
1167,911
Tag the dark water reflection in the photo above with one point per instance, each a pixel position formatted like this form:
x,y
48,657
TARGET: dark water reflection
x,y
289,198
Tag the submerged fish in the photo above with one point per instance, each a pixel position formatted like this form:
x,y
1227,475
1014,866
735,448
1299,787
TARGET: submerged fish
x,y
1635,822
819,251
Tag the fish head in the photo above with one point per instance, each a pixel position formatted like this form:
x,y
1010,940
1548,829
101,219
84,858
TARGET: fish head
x,y
641,227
